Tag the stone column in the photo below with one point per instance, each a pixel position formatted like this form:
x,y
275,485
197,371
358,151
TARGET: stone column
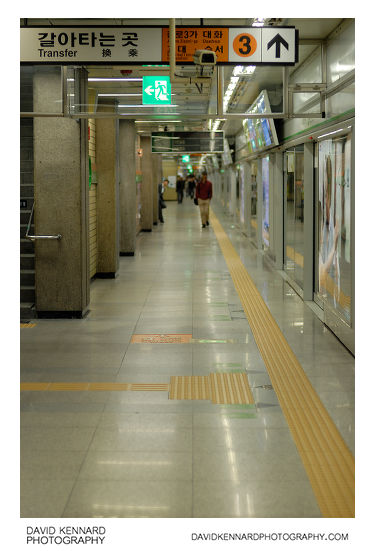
x,y
128,187
147,185
107,193
61,200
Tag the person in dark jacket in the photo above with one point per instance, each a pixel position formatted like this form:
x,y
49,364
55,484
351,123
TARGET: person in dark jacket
x,y
204,195
162,204
191,186
180,185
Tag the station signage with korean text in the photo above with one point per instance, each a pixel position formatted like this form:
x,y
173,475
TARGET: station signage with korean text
x,y
141,45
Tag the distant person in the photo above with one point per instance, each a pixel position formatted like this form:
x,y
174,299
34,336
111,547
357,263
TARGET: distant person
x,y
162,204
180,185
204,195
191,186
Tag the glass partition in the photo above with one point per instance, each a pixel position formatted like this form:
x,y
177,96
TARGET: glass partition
x,y
266,202
253,201
294,218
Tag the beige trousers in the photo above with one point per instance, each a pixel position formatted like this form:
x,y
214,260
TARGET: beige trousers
x,y
204,205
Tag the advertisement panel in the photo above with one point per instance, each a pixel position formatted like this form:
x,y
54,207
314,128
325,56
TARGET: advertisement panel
x,y
334,224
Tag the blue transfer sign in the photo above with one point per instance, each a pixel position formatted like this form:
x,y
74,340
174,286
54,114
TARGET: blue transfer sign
x,y
156,90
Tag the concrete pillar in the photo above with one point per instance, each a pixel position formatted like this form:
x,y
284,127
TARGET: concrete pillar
x,y
147,185
157,178
128,189
61,201
107,193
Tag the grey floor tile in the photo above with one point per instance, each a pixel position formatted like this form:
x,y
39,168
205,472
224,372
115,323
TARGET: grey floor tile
x,y
44,498
120,499
137,466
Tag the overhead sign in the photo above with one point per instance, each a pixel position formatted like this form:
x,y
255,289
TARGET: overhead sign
x,y
156,90
235,45
187,142
143,45
90,44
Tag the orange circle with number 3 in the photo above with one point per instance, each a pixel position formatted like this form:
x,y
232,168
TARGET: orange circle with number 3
x,y
244,45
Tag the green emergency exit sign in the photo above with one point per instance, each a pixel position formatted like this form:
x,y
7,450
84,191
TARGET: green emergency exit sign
x,y
156,90
185,158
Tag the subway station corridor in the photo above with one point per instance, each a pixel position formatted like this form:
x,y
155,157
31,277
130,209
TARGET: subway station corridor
x,y
102,434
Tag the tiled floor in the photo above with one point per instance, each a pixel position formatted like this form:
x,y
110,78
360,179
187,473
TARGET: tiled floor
x,y
139,454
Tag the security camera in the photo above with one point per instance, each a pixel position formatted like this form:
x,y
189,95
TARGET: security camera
x,y
204,57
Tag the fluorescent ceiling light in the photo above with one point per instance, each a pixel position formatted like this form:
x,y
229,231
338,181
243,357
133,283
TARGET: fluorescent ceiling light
x,y
105,79
152,106
118,95
330,133
155,121
258,22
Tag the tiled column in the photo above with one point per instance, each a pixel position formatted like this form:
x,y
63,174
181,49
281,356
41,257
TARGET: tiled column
x,y
61,201
127,144
107,193
147,185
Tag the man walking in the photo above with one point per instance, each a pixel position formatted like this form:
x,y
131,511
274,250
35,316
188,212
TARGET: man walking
x,y
204,196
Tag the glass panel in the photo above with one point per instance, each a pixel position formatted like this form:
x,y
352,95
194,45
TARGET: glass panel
x,y
253,201
298,216
241,174
266,202
294,223
334,229
289,160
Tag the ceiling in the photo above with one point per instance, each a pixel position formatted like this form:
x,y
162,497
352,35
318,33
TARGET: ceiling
x,y
189,98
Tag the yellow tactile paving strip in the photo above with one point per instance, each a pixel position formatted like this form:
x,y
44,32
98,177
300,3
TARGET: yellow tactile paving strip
x,y
27,325
327,459
106,387
220,388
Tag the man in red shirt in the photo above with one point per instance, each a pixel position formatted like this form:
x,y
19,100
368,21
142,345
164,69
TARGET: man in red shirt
x,y
204,194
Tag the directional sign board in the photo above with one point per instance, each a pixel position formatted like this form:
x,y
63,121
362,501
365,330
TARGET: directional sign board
x,y
156,90
140,45
187,142
279,45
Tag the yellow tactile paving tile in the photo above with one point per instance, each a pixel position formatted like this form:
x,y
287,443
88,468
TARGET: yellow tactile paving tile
x,y
27,325
327,459
34,386
220,388
190,388
230,388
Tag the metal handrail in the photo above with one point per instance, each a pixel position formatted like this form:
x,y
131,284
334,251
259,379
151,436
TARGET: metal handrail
x,y
34,237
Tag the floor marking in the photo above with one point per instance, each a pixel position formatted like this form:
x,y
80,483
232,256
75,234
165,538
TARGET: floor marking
x,y
169,339
220,388
328,461
95,387
27,324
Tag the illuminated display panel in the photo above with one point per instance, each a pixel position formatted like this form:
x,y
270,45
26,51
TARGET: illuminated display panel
x,y
260,133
